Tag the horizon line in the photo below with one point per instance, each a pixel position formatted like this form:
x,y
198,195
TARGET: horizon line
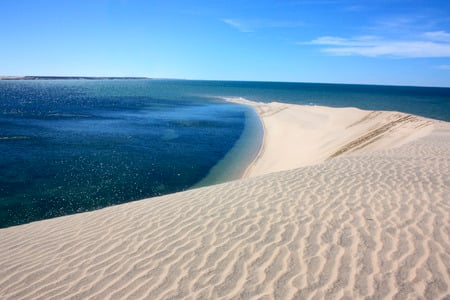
x,y
69,77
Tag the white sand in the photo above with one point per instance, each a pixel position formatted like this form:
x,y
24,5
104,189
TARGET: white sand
x,y
300,135
370,224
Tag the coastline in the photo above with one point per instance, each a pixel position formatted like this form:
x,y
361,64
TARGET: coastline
x,y
296,136
235,163
366,217
71,78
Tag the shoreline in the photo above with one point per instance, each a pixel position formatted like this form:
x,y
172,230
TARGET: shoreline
x,y
367,218
234,164
72,78
247,171
296,136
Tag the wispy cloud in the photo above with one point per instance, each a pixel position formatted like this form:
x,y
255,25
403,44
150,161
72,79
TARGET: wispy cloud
x,y
441,36
251,25
400,22
406,26
238,25
429,44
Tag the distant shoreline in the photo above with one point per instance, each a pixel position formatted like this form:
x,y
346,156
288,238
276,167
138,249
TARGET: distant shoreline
x,y
68,78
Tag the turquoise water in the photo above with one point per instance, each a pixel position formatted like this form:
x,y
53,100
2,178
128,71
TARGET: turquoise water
x,y
71,146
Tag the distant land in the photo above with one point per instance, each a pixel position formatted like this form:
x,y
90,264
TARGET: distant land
x,y
67,78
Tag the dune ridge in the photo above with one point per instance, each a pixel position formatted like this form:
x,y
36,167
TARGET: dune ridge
x,y
371,224
302,135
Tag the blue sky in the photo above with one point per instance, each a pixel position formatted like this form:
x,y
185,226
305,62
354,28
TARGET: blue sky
x,y
401,42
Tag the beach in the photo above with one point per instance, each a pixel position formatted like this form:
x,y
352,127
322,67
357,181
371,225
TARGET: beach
x,y
340,203
301,135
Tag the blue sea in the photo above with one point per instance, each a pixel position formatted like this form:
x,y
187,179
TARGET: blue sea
x,y
69,146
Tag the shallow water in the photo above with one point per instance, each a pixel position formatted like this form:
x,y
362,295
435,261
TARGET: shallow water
x,y
72,146
75,145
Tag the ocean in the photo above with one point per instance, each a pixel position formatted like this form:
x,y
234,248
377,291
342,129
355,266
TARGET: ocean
x,y
69,146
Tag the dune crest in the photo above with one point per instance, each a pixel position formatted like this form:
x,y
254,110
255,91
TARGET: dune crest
x,y
374,224
302,135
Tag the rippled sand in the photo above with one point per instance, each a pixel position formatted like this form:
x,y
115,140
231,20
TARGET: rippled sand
x,y
372,224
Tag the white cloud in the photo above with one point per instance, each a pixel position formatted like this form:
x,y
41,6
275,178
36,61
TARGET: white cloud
x,y
338,41
251,25
432,44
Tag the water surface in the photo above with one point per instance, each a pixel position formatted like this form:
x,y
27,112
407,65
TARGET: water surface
x,y
70,146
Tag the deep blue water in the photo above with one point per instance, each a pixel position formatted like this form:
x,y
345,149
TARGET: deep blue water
x,y
72,146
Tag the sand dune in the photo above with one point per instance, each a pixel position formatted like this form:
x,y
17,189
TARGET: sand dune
x,y
368,224
302,135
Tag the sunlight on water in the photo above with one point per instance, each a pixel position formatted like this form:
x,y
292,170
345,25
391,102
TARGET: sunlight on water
x,y
75,145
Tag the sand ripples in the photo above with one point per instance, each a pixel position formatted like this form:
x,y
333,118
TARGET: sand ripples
x,y
363,226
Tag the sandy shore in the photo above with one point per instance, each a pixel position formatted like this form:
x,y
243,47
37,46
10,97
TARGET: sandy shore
x,y
301,135
360,210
